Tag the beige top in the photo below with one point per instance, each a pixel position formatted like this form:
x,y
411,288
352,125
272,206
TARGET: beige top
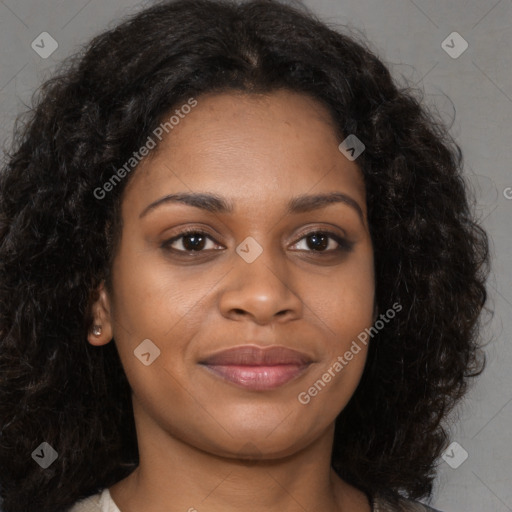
x,y
103,502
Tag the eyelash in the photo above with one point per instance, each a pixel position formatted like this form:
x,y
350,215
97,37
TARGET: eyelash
x,y
344,245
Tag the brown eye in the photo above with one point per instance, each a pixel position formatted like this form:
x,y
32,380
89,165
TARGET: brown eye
x,y
190,241
319,242
325,242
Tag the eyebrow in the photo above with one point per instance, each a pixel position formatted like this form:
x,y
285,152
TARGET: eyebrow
x,y
217,204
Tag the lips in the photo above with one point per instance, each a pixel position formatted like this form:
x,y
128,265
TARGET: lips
x,y
251,355
256,368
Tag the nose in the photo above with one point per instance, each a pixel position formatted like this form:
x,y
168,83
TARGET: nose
x,y
262,291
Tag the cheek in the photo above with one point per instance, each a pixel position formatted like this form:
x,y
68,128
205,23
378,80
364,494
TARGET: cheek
x,y
153,302
346,313
149,297
345,302
345,310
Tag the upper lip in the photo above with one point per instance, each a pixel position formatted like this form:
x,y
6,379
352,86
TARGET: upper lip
x,y
252,355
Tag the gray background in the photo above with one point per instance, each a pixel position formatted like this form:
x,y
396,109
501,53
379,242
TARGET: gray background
x,y
477,85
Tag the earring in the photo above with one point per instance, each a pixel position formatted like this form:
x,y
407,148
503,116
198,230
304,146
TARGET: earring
x,y
96,330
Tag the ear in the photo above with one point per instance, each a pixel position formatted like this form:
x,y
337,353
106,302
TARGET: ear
x,y
101,317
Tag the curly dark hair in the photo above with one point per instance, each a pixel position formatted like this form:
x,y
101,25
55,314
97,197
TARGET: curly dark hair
x,y
57,242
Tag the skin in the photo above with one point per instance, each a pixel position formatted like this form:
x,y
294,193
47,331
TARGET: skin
x,y
205,443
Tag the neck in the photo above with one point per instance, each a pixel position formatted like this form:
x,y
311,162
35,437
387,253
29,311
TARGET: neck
x,y
174,475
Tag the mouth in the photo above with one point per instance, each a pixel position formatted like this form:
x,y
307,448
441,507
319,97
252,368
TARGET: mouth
x,y
257,369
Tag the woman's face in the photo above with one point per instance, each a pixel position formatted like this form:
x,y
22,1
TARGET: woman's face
x,y
261,275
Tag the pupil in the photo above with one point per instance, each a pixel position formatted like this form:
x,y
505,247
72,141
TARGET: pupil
x,y
323,243
197,242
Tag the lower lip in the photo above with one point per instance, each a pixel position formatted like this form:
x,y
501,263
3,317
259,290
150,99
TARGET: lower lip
x,y
258,378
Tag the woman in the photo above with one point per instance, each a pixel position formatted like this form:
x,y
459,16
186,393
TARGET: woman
x,y
238,269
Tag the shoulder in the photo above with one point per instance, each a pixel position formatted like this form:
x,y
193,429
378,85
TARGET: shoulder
x,y
100,502
380,504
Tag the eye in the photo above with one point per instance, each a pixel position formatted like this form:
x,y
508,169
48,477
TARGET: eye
x,y
191,240
320,241
324,242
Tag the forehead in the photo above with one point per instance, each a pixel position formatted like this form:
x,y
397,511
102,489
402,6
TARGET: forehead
x,y
242,145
